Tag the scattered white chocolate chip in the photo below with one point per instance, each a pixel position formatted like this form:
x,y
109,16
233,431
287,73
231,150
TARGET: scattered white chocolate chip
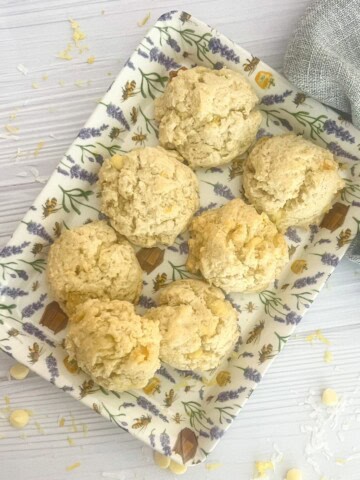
x,y
177,468
294,474
328,356
22,69
19,371
19,418
329,397
161,461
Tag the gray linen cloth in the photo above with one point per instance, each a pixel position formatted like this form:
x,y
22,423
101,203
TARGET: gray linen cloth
x,y
323,60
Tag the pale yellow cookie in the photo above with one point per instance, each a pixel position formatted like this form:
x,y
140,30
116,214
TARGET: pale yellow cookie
x,y
291,179
149,195
92,261
115,346
235,248
208,116
198,326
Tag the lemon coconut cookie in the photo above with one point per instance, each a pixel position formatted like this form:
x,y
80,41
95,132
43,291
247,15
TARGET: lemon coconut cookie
x,y
291,179
148,195
92,261
208,116
198,326
111,343
235,248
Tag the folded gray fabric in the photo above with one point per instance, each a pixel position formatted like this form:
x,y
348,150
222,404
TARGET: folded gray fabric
x,y
323,60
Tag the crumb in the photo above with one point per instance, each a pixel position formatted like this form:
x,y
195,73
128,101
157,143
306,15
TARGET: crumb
x,y
73,466
91,59
144,21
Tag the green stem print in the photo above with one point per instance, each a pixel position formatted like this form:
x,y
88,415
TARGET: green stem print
x,y
273,114
8,268
303,298
70,199
113,416
350,191
149,123
224,414
112,149
271,303
38,265
150,83
196,415
88,149
7,308
179,271
189,36
281,341
316,124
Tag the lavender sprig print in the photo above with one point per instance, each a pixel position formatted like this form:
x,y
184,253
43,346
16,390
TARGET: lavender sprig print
x,y
80,173
9,268
216,433
115,112
340,152
52,367
13,249
173,44
251,374
201,210
147,405
29,310
12,292
129,64
274,99
216,46
152,438
165,443
164,373
292,235
142,53
146,302
157,56
86,133
221,190
31,329
263,133
229,395
314,229
167,16
274,116
328,259
37,229
291,318
305,281
151,83
331,128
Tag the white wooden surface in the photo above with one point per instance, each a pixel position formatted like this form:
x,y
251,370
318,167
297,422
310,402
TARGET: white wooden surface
x,y
31,33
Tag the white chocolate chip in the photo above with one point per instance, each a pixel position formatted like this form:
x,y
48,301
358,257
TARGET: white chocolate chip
x,y
161,461
19,371
294,474
177,468
329,397
19,418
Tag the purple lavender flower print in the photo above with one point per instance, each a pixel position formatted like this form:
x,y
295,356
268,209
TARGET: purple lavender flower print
x,y
218,66
340,152
230,395
184,248
62,171
247,354
279,319
204,434
92,132
215,46
305,281
222,191
32,330
163,372
262,133
292,235
292,318
13,249
67,388
165,443
149,41
128,64
146,302
162,59
331,128
252,374
206,208
115,112
216,433
354,204
173,44
52,367
273,99
329,259
77,172
142,53
167,16
29,310
152,439
39,230
12,292
147,405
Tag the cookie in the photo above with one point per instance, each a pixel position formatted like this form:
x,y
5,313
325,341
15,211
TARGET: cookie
x,y
92,261
235,248
208,116
291,179
148,195
198,326
114,345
